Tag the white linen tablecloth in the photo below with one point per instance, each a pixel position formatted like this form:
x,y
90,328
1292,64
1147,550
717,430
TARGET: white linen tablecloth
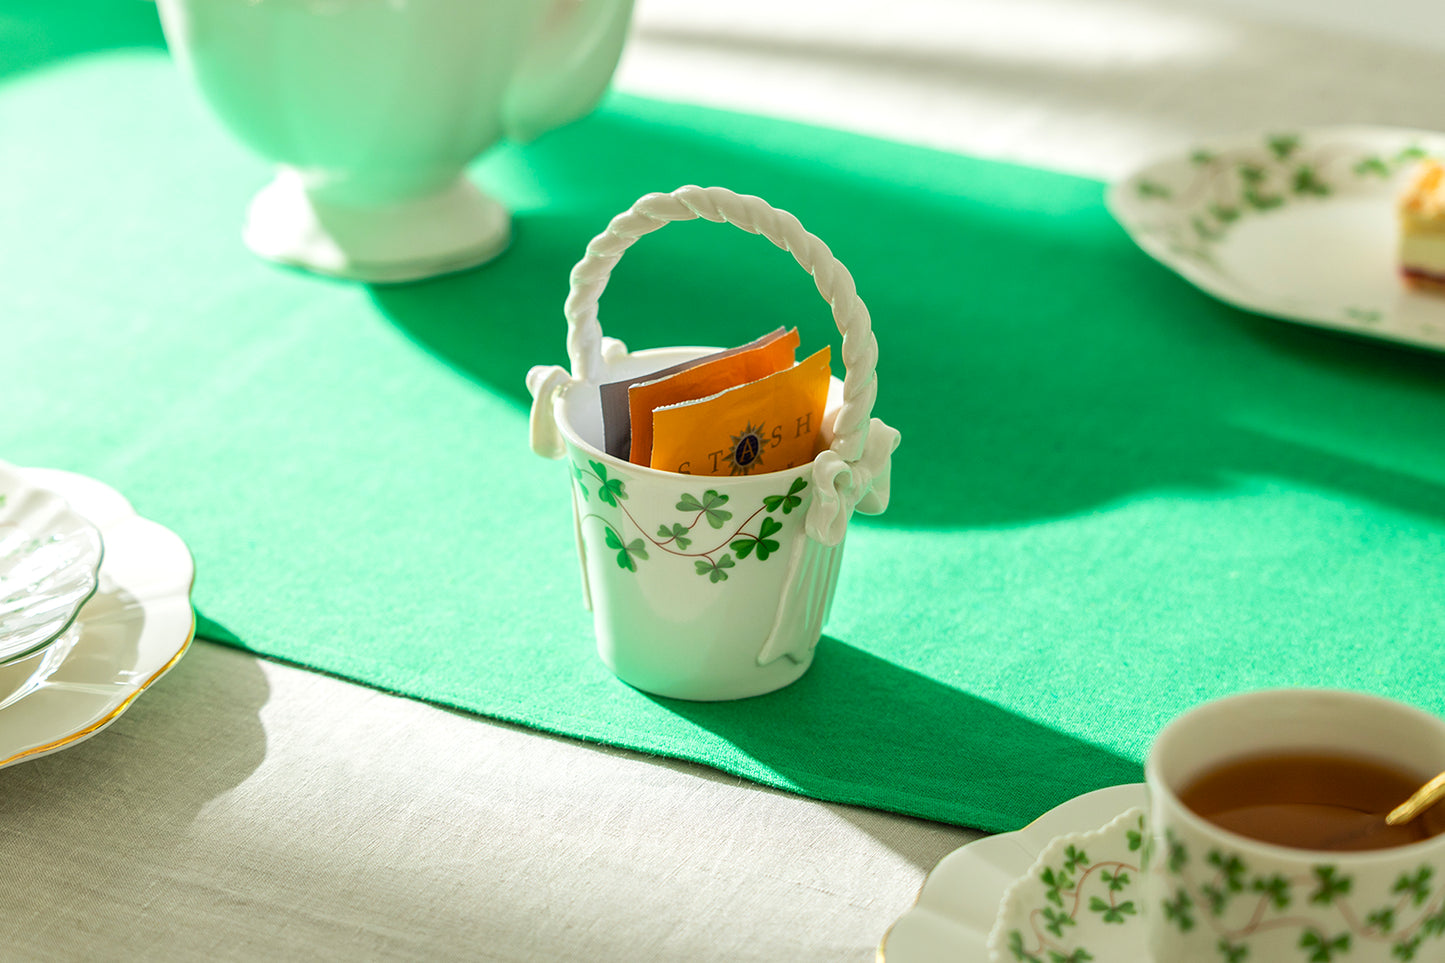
x,y
248,810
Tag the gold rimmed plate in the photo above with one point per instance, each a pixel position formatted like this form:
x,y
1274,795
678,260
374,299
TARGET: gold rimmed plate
x,y
132,630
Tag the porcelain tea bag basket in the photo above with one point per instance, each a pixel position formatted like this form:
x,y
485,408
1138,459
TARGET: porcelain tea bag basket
x,y
709,587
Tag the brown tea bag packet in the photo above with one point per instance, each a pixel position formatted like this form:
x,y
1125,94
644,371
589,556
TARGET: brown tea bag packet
x,y
714,374
768,425
616,416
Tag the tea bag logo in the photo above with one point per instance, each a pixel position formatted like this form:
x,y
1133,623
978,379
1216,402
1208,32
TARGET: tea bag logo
x,y
746,452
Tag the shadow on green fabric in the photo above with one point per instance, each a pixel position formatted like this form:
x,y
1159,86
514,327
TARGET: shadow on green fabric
x,y
855,722
207,628
1038,365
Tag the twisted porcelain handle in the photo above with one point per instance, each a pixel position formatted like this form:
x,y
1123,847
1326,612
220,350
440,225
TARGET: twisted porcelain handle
x,y
853,472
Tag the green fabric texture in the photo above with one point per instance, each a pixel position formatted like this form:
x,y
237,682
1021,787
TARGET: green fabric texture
x,y
1115,497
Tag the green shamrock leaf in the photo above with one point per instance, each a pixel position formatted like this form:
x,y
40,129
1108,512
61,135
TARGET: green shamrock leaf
x,y
1141,843
709,505
1418,886
1178,854
610,489
761,543
1080,955
1231,867
1016,947
625,551
1204,230
1074,858
714,570
1382,919
1232,952
1372,166
1223,213
786,502
1055,884
1331,885
1112,914
1322,949
1057,920
1153,189
677,533
1275,889
1307,181
1283,145
766,545
1261,201
1116,881
1177,911
1215,897
1406,949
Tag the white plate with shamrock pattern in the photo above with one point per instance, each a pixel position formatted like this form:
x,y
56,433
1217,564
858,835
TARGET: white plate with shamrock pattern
x,y
960,902
1298,225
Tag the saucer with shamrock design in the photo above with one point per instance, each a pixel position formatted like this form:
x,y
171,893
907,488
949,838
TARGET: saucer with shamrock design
x,y
1080,901
959,904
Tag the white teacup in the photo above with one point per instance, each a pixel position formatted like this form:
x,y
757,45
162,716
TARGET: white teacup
x,y
373,108
1216,896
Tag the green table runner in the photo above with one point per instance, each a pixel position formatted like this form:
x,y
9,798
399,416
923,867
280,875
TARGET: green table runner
x,y
1115,497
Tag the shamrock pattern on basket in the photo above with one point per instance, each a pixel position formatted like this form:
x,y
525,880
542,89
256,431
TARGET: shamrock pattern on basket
x,y
752,537
1221,892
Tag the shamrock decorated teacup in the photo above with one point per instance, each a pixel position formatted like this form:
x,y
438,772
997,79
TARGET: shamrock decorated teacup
x,y
1215,895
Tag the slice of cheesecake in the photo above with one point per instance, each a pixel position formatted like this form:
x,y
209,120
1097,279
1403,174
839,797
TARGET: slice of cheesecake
x,y
1422,228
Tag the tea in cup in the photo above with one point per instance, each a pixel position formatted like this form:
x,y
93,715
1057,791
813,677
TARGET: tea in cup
x,y
1267,812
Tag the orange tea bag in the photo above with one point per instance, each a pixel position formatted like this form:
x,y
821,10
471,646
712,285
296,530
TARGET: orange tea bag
x,y
768,425
616,416
700,381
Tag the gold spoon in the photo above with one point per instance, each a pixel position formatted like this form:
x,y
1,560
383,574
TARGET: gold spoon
x,y
1371,823
1421,800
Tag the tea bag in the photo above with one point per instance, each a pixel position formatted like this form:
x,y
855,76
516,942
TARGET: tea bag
x,y
616,415
713,375
767,425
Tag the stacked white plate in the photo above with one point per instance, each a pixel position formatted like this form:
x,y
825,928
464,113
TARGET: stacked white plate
x,y
94,607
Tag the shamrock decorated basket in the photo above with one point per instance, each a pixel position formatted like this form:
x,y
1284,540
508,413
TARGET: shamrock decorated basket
x,y
709,587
